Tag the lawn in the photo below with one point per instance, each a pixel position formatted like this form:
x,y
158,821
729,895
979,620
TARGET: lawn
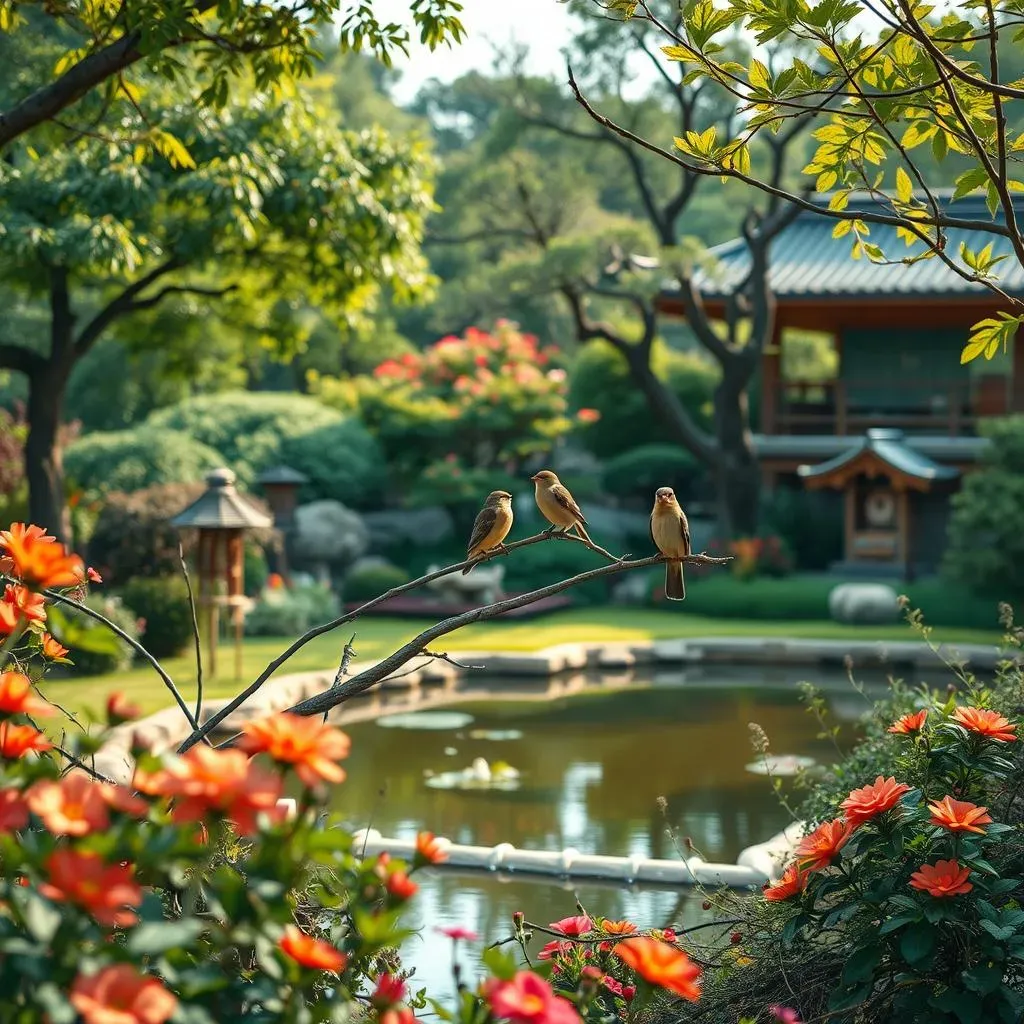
x,y
378,636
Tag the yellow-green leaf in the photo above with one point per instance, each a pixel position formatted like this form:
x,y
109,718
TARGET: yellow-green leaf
x,y
758,75
904,186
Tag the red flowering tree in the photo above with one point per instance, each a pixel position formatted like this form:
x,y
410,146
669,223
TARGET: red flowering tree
x,y
485,399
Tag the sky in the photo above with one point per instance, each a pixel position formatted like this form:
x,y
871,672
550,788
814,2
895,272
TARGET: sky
x,y
543,25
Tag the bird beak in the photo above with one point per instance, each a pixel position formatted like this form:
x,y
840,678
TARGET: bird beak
x,y
534,477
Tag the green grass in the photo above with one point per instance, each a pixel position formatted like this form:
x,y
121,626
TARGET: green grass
x,y
378,636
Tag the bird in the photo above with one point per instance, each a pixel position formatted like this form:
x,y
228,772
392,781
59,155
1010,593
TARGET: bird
x,y
492,525
670,532
557,505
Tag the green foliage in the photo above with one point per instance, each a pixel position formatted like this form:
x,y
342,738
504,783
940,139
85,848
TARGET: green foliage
x,y
810,523
986,548
133,536
291,611
94,650
600,380
162,603
543,564
249,429
372,581
130,460
639,472
342,461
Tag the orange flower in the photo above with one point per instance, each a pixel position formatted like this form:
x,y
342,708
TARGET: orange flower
x,y
869,801
52,648
941,879
120,995
20,605
39,560
207,780
618,927
959,815
13,810
83,879
310,952
429,850
822,846
985,723
121,798
792,882
17,697
311,746
121,709
909,723
662,965
400,885
72,806
17,740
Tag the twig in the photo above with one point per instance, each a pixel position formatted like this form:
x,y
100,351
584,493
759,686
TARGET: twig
x,y
77,762
134,644
312,634
444,656
195,632
347,654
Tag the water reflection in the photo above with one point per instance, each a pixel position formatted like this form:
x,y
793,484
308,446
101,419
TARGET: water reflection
x,y
595,759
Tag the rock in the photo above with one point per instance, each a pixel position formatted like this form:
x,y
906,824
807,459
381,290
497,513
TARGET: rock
x,y
422,526
481,586
863,603
635,589
326,533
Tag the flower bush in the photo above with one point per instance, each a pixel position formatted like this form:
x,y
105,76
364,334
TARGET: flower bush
x,y
758,556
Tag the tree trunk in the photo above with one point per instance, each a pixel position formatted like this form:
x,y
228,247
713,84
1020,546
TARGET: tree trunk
x,y
44,469
737,475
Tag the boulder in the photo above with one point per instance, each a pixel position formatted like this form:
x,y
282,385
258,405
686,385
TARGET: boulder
x,y
481,586
327,533
421,526
864,603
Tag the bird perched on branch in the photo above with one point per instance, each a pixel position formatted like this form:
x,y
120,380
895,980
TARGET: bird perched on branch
x,y
670,532
491,527
557,505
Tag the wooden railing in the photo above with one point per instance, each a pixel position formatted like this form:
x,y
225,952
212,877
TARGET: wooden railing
x,y
851,406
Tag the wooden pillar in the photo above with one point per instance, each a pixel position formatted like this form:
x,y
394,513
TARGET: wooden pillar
x,y
235,570
1017,379
771,376
850,510
903,513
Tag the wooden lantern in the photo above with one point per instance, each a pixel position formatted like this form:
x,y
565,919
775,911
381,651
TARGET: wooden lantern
x,y
220,515
281,486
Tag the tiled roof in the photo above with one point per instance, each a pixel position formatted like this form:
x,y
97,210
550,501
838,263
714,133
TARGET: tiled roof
x,y
819,447
890,446
221,507
808,263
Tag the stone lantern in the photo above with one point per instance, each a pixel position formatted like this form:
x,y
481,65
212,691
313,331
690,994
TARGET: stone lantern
x,y
281,486
221,515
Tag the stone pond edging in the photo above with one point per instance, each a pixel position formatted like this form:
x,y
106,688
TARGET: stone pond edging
x,y
437,684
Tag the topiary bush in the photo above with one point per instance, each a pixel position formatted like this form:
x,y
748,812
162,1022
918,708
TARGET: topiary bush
x,y
247,428
129,460
162,603
342,461
291,611
985,549
599,379
639,472
372,581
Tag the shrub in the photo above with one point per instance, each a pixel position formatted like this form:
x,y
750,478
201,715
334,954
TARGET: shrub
x,y
162,603
290,611
542,564
247,428
600,380
93,649
372,581
809,522
986,545
639,472
342,461
129,460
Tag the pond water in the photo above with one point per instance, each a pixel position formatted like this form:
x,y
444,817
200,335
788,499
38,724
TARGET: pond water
x,y
594,767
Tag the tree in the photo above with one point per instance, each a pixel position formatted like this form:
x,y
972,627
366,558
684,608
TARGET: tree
x,y
278,204
542,230
200,44
896,91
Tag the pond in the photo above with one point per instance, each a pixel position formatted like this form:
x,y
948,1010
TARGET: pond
x,y
630,765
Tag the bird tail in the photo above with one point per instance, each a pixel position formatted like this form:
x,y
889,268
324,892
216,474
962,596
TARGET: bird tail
x,y
582,531
675,588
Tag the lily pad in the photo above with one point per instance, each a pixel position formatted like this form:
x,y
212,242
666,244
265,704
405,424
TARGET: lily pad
x,y
781,765
440,721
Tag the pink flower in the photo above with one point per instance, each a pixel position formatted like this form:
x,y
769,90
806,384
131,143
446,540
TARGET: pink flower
x,y
528,999
94,576
458,933
588,415
573,925
784,1014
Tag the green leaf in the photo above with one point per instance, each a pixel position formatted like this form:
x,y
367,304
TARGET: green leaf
x,y
758,75
970,181
904,186
501,964
983,979
917,944
42,918
861,964
895,923
152,939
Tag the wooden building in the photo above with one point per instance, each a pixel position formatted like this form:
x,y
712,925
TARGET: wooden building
x,y
894,427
